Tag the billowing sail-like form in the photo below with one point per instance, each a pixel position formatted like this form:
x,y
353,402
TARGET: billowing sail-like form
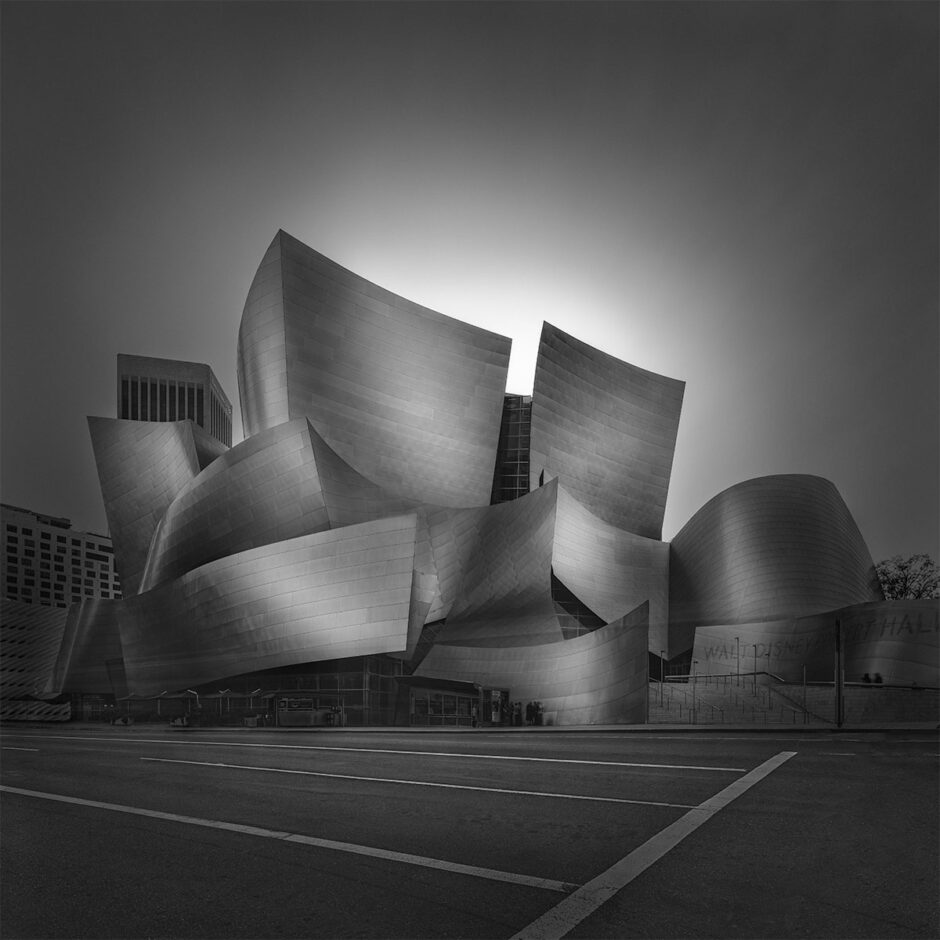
x,y
606,429
328,595
355,519
599,678
768,548
142,467
407,396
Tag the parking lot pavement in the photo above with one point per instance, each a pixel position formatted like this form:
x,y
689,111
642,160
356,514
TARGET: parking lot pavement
x,y
395,834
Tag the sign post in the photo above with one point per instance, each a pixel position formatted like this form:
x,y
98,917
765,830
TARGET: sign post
x,y
839,676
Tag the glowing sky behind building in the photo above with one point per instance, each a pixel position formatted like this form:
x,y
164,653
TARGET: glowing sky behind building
x,y
741,196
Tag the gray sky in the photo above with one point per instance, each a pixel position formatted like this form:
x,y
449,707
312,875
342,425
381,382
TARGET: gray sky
x,y
742,196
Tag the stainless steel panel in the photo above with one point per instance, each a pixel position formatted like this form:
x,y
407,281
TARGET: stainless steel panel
x,y
611,570
408,397
769,548
898,639
598,678
90,657
500,558
141,468
606,429
317,597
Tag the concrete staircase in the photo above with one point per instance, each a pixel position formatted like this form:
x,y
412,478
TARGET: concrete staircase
x,y
764,699
866,704
710,700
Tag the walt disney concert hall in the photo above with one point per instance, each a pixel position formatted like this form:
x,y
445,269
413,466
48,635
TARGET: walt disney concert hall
x,y
398,541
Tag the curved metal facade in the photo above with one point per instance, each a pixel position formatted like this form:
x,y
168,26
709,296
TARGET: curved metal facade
x,y
264,490
898,639
606,429
407,396
766,549
355,520
344,592
610,570
504,558
141,468
91,656
598,678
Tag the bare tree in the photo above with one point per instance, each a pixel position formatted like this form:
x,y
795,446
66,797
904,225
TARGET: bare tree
x,y
914,578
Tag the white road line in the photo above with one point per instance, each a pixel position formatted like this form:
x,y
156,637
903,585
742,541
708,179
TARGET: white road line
x,y
437,864
379,750
417,783
562,918
36,749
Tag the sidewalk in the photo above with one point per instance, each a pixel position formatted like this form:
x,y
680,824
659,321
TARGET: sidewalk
x,y
919,727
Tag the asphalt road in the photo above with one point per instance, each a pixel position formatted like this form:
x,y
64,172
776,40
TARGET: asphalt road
x,y
144,832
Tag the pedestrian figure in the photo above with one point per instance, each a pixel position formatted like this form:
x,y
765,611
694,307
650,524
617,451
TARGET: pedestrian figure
x,y
878,679
866,678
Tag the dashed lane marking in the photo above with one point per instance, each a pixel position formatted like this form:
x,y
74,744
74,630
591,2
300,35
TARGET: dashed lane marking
x,y
34,749
379,750
417,783
567,914
437,864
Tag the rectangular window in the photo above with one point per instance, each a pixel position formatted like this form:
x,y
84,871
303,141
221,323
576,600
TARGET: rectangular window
x,y
11,528
45,535
144,401
190,401
135,394
163,399
153,400
200,419
125,398
181,402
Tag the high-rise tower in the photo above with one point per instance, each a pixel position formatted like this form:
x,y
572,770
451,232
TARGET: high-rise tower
x,y
170,390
